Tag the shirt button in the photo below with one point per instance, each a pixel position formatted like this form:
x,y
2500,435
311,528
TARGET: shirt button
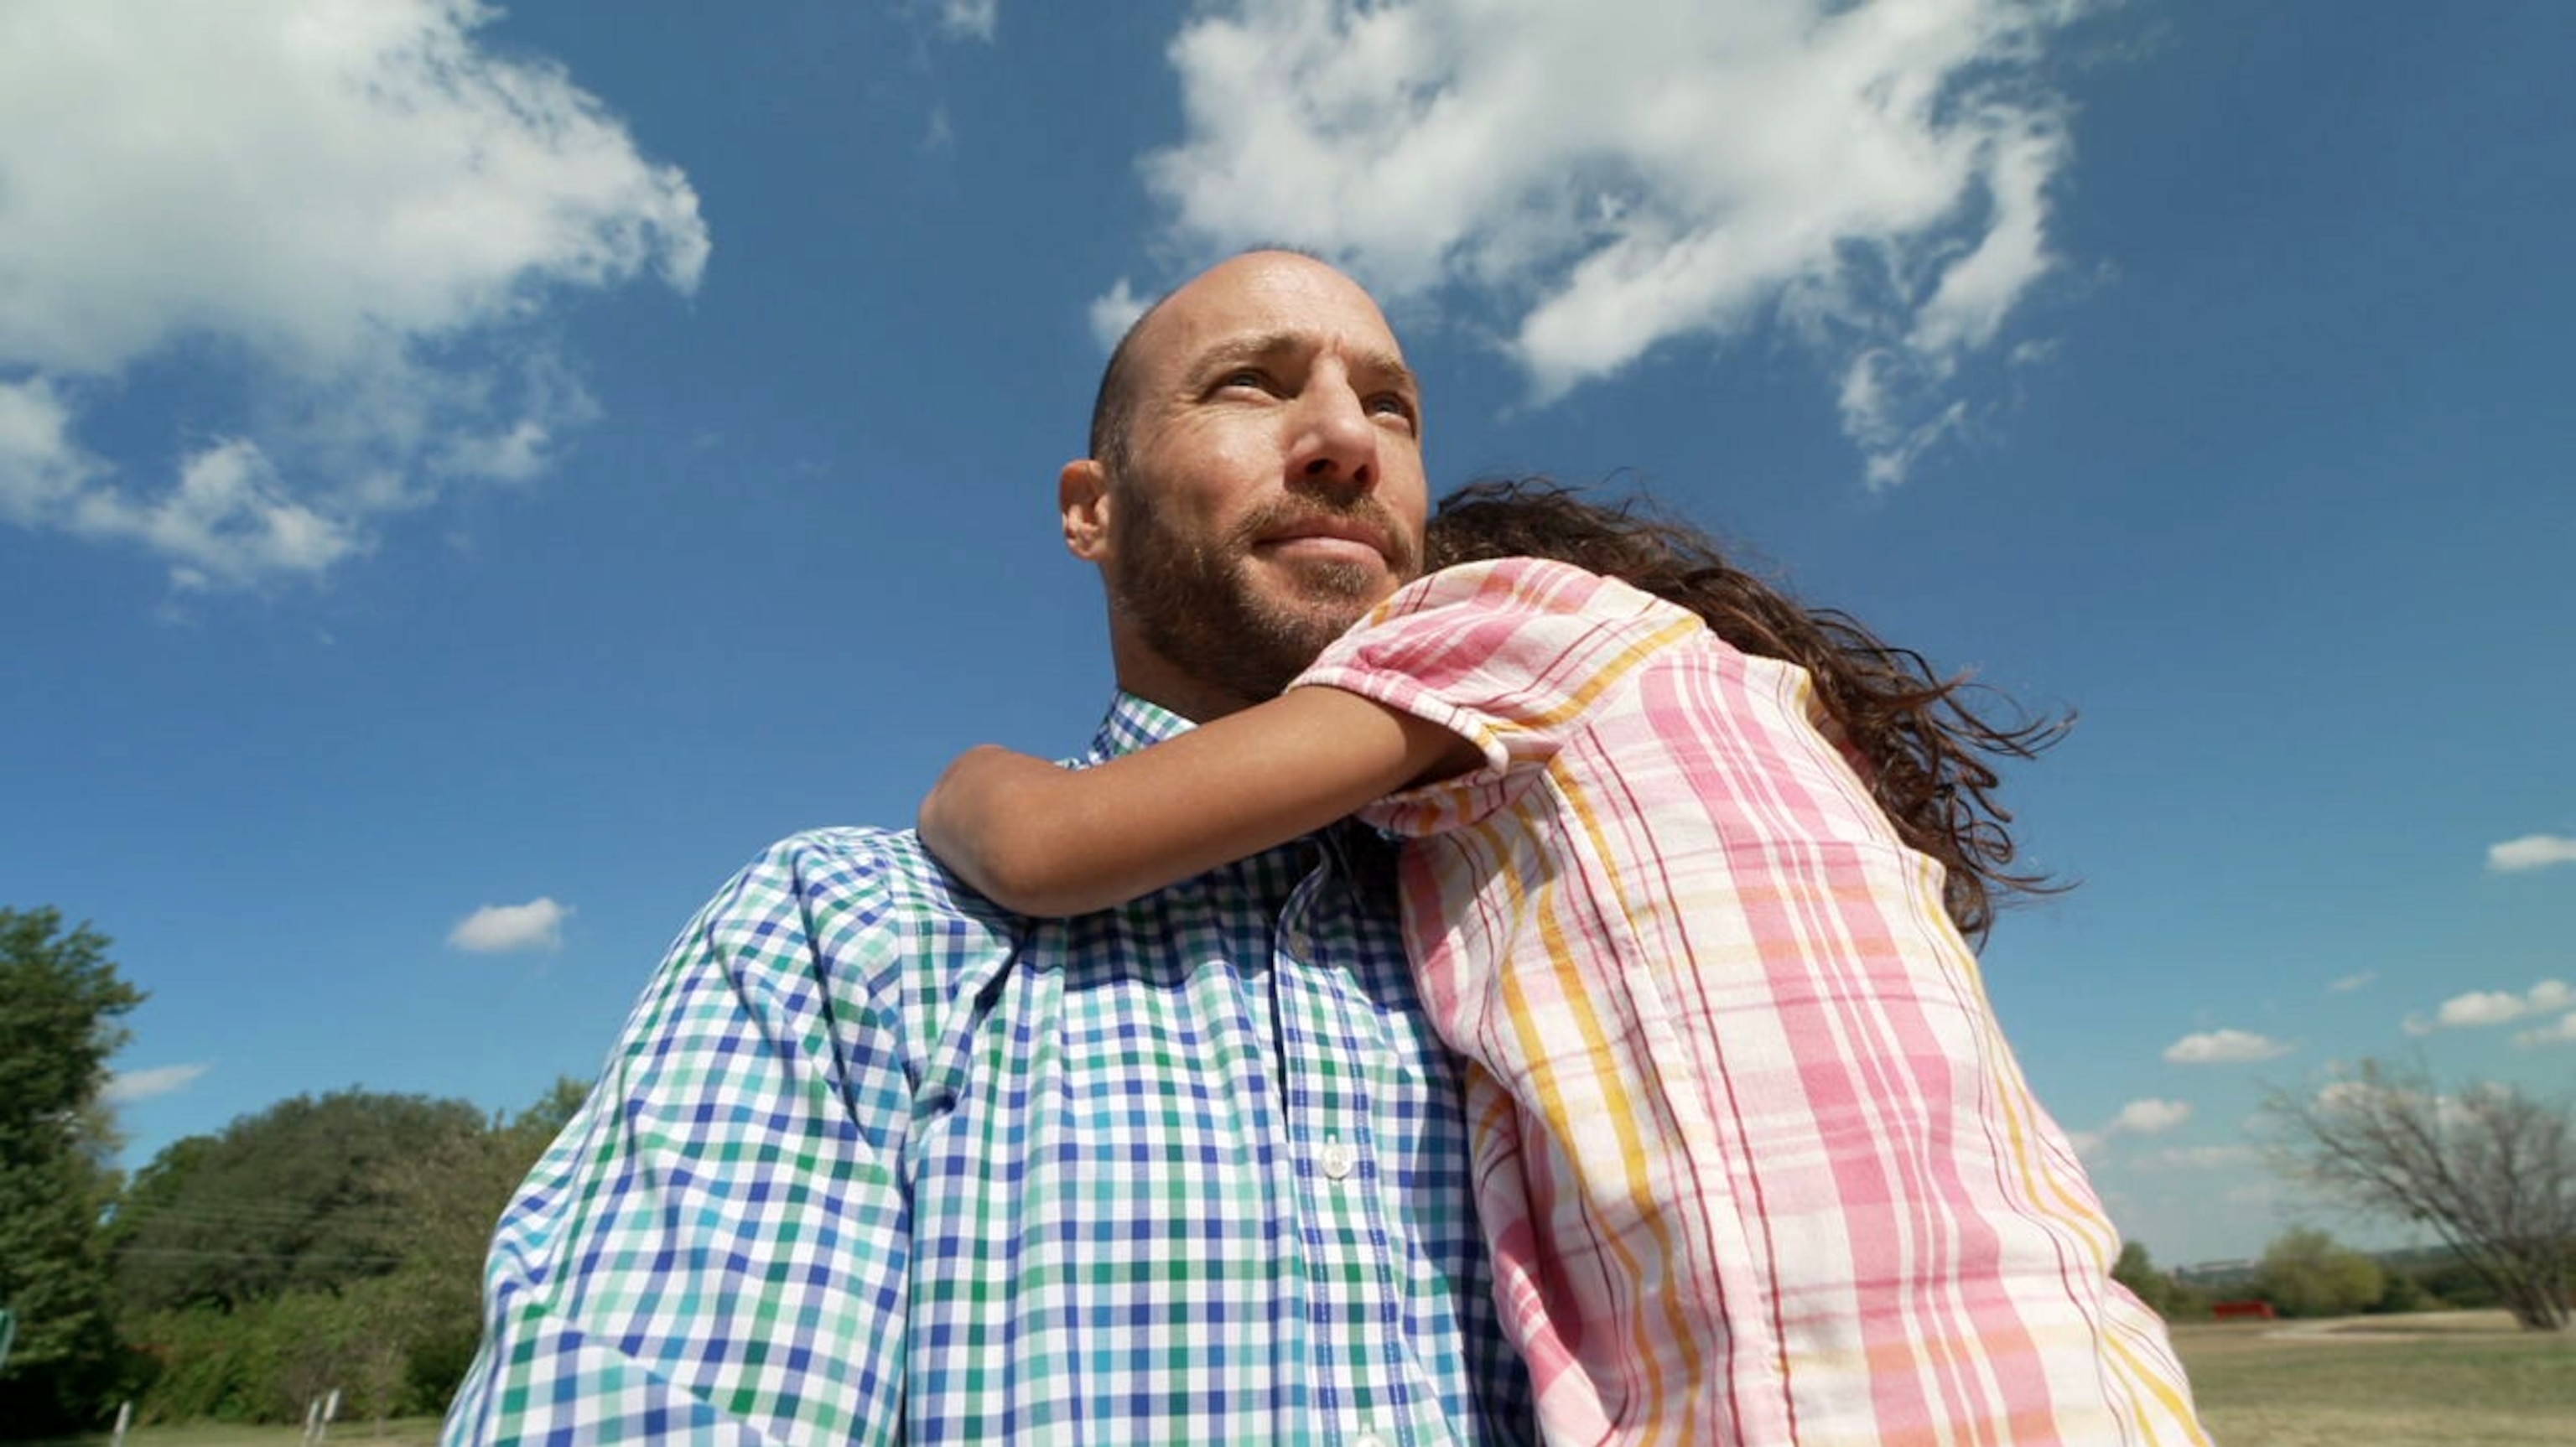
x,y
1337,1162
1368,1439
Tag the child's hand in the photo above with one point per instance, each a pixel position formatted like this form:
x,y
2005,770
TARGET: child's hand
x,y
967,817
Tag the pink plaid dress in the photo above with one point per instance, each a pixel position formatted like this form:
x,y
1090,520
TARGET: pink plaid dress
x,y
1755,1161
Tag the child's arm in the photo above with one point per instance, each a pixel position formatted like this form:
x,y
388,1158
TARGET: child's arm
x,y
1050,841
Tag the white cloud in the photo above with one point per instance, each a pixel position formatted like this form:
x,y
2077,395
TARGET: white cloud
x,y
507,928
128,1086
229,518
2149,1117
349,205
2494,1007
1114,312
1619,176
2531,851
2480,1008
2203,1158
2138,1117
2350,983
970,19
2224,1047
41,468
2561,1033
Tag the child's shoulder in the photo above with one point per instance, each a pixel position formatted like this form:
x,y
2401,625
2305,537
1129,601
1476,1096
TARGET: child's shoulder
x,y
1519,585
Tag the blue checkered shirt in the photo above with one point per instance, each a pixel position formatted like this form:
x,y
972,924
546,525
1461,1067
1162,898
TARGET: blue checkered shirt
x,y
878,1161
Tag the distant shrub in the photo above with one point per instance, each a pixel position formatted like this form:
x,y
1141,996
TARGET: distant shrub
x,y
2453,1283
198,1366
2404,1292
2305,1273
2164,1293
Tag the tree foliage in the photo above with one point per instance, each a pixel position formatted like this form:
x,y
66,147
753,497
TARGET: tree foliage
x,y
2406,1292
448,1200
2155,1286
60,999
266,1361
288,1199
387,1307
324,1243
2489,1169
2306,1273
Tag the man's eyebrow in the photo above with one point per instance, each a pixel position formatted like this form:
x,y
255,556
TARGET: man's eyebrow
x,y
1389,369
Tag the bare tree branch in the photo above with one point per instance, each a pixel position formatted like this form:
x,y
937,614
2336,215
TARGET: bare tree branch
x,y
2491,1170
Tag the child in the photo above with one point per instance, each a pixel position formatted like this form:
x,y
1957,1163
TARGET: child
x,y
1689,885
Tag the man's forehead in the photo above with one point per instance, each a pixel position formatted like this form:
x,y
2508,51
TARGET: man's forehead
x,y
1270,303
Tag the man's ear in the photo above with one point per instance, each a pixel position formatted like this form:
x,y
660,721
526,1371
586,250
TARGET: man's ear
x,y
1082,492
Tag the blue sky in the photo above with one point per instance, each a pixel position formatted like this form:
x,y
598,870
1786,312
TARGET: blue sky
x,y
470,478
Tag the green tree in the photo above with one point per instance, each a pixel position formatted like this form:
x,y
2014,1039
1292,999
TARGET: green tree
x,y
2163,1293
2305,1273
2138,1273
448,1201
2456,1284
394,1320
287,1199
60,999
2405,1293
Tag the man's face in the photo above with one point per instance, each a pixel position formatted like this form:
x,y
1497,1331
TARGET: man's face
x,y
1270,490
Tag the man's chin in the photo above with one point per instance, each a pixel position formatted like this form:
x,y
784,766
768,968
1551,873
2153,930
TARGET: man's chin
x,y
1310,586
1321,616
1249,629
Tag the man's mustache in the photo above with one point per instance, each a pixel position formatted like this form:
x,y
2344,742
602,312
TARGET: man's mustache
x,y
1402,548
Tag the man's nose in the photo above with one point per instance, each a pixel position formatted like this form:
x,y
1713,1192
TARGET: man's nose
x,y
1334,444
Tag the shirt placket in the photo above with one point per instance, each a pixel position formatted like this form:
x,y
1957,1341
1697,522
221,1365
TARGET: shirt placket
x,y
1327,1040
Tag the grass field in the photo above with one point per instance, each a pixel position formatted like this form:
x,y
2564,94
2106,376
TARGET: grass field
x,y
410,1432
2442,1379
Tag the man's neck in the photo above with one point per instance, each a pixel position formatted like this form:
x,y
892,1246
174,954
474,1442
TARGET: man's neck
x,y
1163,684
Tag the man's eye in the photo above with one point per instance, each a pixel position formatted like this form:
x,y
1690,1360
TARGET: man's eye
x,y
1245,377
1393,404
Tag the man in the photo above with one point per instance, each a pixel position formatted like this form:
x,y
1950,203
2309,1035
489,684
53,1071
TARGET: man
x,y
878,1161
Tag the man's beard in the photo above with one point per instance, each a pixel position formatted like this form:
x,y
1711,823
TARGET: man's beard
x,y
1194,603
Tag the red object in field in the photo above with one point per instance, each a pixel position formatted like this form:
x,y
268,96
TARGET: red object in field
x,y
2243,1311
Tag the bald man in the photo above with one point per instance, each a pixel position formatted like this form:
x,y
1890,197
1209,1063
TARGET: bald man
x,y
879,1161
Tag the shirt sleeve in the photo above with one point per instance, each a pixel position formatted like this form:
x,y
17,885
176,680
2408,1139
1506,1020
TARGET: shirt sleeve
x,y
716,1246
1512,655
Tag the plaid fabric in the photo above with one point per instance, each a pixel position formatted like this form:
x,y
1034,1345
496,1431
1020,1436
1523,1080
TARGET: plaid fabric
x,y
1755,1160
876,1161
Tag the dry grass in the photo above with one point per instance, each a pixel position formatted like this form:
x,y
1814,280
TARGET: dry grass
x,y
2439,1379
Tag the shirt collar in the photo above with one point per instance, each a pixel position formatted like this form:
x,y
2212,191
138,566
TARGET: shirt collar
x,y
1132,724
1358,851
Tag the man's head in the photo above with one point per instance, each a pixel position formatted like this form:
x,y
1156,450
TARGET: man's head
x,y
1255,482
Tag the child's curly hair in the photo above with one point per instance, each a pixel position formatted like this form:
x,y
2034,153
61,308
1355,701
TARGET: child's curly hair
x,y
1931,741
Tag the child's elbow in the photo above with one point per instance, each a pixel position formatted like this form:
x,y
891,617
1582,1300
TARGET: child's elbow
x,y
1027,886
